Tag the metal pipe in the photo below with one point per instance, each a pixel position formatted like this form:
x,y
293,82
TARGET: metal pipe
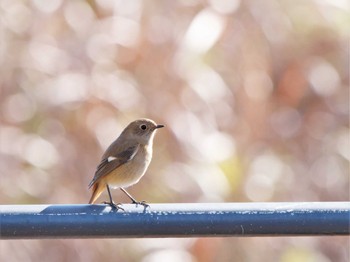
x,y
175,220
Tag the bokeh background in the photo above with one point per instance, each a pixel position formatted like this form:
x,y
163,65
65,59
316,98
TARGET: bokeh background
x,y
254,96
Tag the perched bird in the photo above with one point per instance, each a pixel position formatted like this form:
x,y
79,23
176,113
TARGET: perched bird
x,y
125,160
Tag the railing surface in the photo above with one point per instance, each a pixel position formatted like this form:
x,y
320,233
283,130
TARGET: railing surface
x,y
175,220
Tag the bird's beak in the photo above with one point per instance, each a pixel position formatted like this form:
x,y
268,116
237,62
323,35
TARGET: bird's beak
x,y
159,126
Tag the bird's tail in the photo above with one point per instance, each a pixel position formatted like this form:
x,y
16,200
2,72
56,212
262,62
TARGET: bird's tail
x,y
97,190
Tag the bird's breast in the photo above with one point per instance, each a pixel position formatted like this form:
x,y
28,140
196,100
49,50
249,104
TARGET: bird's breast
x,y
131,172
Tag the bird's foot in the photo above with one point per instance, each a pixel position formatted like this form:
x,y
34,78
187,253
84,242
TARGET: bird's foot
x,y
142,203
114,205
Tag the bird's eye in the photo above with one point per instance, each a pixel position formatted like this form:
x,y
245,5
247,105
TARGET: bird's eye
x,y
143,127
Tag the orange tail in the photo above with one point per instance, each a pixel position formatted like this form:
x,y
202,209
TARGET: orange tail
x,y
97,190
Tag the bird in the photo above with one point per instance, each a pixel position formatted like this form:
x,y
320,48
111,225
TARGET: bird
x,y
125,161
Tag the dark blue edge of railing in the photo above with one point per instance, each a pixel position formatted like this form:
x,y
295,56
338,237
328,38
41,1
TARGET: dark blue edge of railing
x,y
175,220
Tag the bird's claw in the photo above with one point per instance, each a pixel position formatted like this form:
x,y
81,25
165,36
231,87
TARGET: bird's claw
x,y
114,205
142,203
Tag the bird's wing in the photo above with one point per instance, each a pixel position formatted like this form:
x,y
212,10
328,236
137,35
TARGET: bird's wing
x,y
113,161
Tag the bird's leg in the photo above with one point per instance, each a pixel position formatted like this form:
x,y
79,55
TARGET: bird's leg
x,y
111,203
134,201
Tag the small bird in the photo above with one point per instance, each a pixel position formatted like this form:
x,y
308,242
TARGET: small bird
x,y
125,161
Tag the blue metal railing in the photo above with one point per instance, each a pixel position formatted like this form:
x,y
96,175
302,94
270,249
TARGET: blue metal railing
x,y
175,220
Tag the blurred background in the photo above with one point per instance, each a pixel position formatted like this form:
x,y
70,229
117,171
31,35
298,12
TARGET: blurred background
x,y
254,96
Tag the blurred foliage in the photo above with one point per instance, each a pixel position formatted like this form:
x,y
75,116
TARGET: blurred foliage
x,y
254,94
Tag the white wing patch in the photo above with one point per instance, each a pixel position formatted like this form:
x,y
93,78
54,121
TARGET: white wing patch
x,y
111,158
